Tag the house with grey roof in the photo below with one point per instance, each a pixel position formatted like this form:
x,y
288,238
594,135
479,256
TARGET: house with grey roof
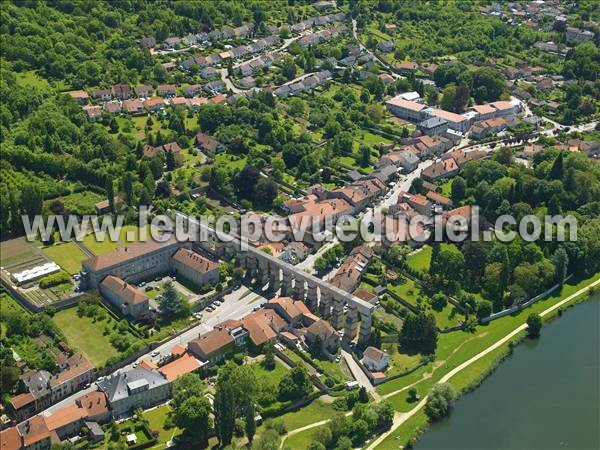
x,y
136,388
214,87
433,126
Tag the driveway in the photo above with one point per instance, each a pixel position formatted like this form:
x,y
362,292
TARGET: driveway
x,y
359,375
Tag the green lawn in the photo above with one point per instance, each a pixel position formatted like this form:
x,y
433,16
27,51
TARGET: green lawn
x,y
399,362
100,247
31,79
230,161
156,421
8,305
407,289
129,427
314,412
421,259
86,335
446,188
272,377
333,369
67,255
448,317
453,348
79,203
302,440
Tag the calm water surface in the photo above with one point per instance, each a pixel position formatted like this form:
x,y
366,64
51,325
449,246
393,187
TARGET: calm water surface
x,y
546,396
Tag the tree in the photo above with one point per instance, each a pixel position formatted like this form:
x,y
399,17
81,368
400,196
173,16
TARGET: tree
x,y
419,333
363,395
265,192
128,188
288,68
31,200
491,281
439,301
110,193
193,416
556,172
484,308
269,352
459,189
236,387
488,85
113,126
561,262
439,401
225,411
375,86
295,384
534,325
246,181
323,436
413,396
173,305
296,107
187,386
170,160
250,422
365,156
448,97
344,443
359,430
269,440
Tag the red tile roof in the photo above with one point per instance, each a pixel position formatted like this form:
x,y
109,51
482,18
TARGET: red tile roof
x,y
34,430
178,349
263,325
101,262
194,261
95,403
18,401
213,341
10,439
124,290
78,365
186,364
65,416
406,104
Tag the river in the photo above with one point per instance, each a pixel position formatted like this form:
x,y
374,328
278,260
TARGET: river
x,y
546,396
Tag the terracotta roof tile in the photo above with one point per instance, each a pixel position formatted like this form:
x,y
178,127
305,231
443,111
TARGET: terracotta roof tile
x,y
186,364
123,290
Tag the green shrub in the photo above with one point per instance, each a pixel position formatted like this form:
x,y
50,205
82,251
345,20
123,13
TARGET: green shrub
x,y
55,279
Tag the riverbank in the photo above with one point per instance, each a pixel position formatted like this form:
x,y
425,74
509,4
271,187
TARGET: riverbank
x,y
557,373
463,358
472,375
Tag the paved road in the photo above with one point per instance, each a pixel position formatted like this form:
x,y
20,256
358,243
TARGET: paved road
x,y
225,74
235,305
359,375
381,61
